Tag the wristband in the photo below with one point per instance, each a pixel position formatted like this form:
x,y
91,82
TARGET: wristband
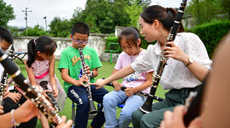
x,y
13,121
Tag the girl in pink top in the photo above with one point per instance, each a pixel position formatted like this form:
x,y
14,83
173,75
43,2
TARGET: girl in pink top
x,y
40,69
130,43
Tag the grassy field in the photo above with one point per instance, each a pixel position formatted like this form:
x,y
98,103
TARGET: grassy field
x,y
104,71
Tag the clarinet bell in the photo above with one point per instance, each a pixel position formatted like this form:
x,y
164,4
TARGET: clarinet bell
x,y
92,110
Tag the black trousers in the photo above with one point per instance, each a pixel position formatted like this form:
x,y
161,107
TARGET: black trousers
x,y
9,104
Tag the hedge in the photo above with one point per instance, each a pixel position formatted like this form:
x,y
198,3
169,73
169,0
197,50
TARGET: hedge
x,y
211,33
114,39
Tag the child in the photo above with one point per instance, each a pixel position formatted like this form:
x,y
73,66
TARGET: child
x,y
70,67
187,65
40,69
130,43
11,99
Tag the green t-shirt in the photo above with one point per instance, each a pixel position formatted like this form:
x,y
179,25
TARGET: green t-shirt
x,y
70,59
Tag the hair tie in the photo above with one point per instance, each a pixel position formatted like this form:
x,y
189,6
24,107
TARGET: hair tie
x,y
170,12
35,42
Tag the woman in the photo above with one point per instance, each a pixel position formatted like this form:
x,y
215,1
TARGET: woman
x,y
187,65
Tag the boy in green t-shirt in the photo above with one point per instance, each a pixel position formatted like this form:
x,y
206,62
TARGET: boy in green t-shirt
x,y
71,72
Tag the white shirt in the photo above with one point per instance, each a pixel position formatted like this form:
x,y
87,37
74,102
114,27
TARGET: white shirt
x,y
176,74
135,79
1,71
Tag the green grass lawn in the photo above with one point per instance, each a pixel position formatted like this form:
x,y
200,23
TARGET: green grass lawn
x,y
104,71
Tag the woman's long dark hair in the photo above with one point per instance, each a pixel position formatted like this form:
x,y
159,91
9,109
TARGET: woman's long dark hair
x,y
43,44
165,15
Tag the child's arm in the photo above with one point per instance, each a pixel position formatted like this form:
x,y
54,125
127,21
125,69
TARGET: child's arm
x,y
146,84
52,75
65,76
116,84
30,75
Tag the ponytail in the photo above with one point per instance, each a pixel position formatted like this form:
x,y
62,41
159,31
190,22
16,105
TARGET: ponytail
x,y
165,15
31,51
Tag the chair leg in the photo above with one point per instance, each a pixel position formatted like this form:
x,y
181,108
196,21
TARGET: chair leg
x,y
73,113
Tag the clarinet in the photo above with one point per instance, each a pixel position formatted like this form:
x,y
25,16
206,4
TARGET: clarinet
x,y
5,78
33,93
92,108
195,107
3,86
147,107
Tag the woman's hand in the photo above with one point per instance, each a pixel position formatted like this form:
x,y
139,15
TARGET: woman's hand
x,y
99,83
175,119
175,52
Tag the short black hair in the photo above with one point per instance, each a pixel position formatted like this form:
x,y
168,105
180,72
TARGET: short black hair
x,y
81,28
5,35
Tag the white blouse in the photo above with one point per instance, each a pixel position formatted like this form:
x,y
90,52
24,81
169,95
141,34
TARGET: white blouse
x,y
176,74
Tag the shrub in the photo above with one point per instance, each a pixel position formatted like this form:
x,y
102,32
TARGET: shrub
x,y
211,33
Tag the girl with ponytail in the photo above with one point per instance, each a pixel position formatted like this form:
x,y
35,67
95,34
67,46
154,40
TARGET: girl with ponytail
x,y
40,69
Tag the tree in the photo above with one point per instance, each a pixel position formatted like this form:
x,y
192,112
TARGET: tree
x,y
103,15
35,31
6,13
226,5
60,28
134,9
205,10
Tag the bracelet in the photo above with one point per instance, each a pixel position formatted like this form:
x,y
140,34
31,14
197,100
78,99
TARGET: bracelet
x,y
13,121
190,61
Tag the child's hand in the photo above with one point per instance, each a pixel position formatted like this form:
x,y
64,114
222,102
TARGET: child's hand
x,y
55,91
87,70
14,96
130,91
65,124
117,86
83,81
1,110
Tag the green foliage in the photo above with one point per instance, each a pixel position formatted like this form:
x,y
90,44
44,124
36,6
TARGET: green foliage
x,y
226,5
6,13
212,33
60,28
36,31
112,44
113,39
103,15
14,31
204,11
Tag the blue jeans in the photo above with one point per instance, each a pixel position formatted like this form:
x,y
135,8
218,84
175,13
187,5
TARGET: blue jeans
x,y
111,100
79,95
